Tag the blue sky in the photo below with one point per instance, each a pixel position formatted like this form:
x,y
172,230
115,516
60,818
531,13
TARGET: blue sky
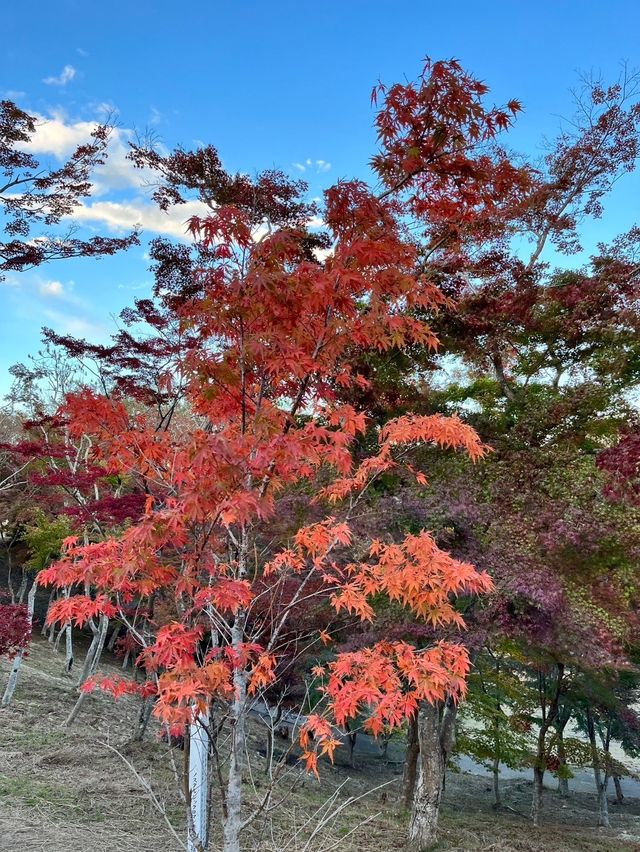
x,y
274,84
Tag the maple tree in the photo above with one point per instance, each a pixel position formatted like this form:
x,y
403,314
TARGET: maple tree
x,y
275,313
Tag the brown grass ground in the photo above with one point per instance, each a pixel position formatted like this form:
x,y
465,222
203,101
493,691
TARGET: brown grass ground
x,y
61,790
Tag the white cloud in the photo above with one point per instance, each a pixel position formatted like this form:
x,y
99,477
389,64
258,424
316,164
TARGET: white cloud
x,y
13,94
123,216
56,136
318,166
66,75
52,288
49,290
143,285
81,51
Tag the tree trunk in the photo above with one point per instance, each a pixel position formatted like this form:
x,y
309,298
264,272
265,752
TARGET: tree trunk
x,y
95,650
600,778
563,781
68,649
17,660
618,786
271,727
384,747
144,716
233,821
114,638
536,804
496,783
352,736
9,577
44,622
411,762
549,716
435,738
101,635
23,586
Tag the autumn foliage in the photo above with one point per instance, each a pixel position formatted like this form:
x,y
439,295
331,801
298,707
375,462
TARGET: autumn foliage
x,y
275,313
15,629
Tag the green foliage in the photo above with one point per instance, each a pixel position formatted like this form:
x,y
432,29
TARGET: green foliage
x,y
495,719
44,539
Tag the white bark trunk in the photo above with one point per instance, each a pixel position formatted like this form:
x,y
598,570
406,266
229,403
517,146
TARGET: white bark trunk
x,y
233,821
198,783
101,635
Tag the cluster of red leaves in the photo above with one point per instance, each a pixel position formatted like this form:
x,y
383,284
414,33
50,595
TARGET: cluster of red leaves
x,y
15,629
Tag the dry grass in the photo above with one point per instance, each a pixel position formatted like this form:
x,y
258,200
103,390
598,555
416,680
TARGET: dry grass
x,y
61,791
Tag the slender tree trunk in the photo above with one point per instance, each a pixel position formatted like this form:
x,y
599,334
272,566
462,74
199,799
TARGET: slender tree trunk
x,y
384,748
497,802
549,715
496,744
271,727
144,717
563,781
23,587
44,623
600,778
352,736
95,650
17,661
411,762
68,649
9,577
101,635
618,786
114,638
233,821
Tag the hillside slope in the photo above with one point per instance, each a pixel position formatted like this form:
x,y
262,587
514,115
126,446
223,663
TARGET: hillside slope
x,y
64,790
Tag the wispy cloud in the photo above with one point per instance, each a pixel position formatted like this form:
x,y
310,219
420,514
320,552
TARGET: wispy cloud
x,y
318,166
52,288
40,301
81,51
155,116
143,285
66,75
78,326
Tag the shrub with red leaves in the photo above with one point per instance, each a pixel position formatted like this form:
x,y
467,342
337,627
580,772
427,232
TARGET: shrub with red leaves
x,y
15,629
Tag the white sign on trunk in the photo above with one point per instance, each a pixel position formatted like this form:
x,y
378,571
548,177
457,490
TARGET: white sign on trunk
x,y
198,764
